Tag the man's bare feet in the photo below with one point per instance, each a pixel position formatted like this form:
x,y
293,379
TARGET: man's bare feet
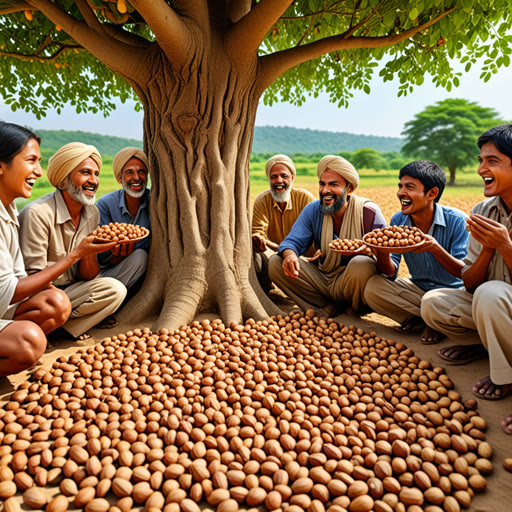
x,y
410,324
487,390
430,336
107,323
506,425
462,354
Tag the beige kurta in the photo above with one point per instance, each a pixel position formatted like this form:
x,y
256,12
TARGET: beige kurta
x,y
12,267
317,286
488,311
273,223
47,234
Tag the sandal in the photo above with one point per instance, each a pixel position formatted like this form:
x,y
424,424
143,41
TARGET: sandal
x,y
487,390
107,323
462,354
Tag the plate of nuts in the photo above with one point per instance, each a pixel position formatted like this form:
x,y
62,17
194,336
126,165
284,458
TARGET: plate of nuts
x,y
120,232
395,239
347,247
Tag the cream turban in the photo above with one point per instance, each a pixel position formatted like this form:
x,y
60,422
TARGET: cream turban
x,y
280,159
67,158
124,155
341,166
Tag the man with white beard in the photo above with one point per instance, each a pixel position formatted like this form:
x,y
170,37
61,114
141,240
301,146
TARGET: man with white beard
x,y
55,224
274,212
129,205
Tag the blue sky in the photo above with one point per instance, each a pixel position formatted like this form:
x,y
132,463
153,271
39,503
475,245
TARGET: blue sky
x,y
380,113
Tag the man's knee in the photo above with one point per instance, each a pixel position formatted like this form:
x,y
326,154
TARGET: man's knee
x,y
371,288
362,266
275,266
113,289
139,260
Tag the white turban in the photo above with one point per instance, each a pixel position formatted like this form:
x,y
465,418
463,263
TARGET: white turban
x,y
280,159
340,166
67,158
124,155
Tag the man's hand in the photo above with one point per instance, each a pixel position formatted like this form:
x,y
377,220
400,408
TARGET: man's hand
x,y
88,247
258,243
123,250
318,254
291,264
430,244
489,233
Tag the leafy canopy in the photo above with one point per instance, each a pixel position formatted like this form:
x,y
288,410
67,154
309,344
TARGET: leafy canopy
x,y
447,132
42,67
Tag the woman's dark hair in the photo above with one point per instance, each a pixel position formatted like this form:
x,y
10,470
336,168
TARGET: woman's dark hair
x,y
13,139
500,136
429,173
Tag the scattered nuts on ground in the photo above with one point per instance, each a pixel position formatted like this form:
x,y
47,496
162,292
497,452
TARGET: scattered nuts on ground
x,y
297,413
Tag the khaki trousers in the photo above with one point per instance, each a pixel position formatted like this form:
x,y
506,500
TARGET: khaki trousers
x,y
486,313
91,302
315,289
397,299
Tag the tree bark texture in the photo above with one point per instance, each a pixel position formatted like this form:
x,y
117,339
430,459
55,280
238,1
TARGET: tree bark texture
x,y
198,130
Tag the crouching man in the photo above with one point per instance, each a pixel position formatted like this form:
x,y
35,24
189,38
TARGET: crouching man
x,y
55,224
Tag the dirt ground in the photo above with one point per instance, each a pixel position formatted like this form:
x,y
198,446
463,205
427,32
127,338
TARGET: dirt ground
x,y
497,497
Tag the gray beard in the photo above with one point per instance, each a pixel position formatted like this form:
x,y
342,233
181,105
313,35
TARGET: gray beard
x,y
335,207
78,195
130,192
282,197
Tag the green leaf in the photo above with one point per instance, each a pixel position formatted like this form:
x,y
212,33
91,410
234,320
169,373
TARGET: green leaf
x,y
413,13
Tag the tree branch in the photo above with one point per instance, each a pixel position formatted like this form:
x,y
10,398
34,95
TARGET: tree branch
x,y
90,17
170,31
38,58
238,9
245,37
274,65
21,6
108,50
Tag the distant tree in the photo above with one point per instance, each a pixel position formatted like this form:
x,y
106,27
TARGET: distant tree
x,y
347,155
447,133
368,158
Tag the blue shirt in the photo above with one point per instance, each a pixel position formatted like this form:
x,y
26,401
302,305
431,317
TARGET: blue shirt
x,y
112,207
308,228
449,229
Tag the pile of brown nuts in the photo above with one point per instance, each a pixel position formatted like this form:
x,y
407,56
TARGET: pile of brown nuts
x,y
395,236
297,413
344,244
119,232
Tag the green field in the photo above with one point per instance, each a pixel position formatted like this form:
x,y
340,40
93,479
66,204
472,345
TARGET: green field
x,y
469,184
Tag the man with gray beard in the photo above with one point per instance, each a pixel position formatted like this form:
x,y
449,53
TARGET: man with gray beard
x,y
331,281
129,205
55,224
274,212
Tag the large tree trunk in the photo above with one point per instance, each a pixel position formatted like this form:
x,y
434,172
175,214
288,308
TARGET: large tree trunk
x,y
198,134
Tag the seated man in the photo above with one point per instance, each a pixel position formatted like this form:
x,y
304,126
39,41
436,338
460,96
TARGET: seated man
x,y
130,204
436,264
275,211
331,277
484,310
54,225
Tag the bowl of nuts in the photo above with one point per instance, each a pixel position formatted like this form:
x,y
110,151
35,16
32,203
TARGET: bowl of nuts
x,y
120,232
347,247
395,239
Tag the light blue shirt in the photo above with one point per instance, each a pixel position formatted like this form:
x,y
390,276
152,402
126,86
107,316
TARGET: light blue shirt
x,y
449,229
112,207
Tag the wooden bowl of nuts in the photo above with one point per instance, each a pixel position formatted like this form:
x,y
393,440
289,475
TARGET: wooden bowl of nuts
x,y
347,247
120,232
395,239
